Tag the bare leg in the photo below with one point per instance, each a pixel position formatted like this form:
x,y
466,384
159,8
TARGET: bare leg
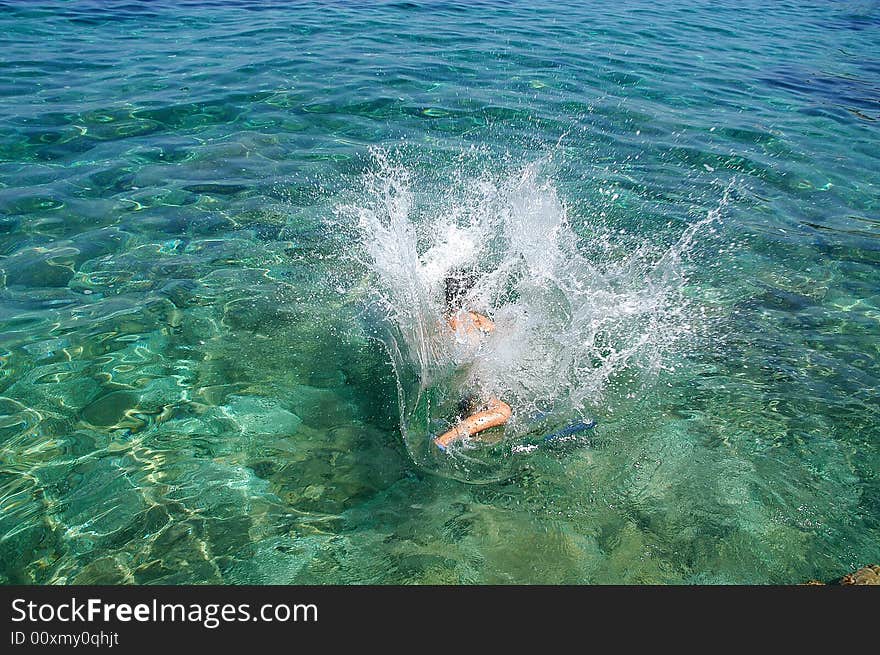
x,y
496,413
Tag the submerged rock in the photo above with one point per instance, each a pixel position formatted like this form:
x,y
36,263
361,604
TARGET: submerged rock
x,y
867,575
258,415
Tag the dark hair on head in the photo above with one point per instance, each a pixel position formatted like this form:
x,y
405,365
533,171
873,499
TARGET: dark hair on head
x,y
458,283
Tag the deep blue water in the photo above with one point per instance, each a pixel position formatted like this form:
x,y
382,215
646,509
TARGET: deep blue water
x,y
188,392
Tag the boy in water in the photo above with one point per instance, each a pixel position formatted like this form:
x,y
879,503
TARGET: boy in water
x,y
473,327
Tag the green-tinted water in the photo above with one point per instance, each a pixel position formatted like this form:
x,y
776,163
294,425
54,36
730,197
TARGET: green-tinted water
x,y
188,392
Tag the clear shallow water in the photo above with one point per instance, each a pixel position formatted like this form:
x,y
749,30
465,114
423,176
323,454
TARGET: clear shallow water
x,y
189,390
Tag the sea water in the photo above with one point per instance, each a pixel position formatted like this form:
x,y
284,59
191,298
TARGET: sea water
x,y
224,230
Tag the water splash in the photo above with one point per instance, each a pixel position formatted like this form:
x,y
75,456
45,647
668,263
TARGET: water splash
x,y
568,327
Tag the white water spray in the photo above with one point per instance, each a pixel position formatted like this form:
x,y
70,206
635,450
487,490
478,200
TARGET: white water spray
x,y
568,328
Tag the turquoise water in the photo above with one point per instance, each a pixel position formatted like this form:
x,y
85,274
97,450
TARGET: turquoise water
x,y
189,387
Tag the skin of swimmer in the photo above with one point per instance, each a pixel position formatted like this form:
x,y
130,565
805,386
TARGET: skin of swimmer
x,y
473,326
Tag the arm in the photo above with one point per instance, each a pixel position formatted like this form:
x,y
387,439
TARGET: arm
x,y
496,413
